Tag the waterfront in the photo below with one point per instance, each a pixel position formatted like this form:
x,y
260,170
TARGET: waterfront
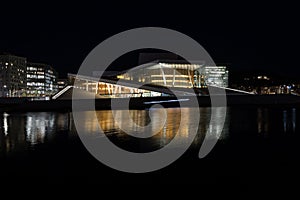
x,y
256,144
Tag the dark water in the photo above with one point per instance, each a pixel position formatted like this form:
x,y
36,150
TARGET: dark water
x,y
257,146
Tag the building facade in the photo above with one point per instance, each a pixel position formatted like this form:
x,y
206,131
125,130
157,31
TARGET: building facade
x,y
61,84
178,74
108,88
41,80
12,76
215,75
153,79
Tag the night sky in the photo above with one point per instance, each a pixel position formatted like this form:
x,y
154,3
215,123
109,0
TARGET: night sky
x,y
249,37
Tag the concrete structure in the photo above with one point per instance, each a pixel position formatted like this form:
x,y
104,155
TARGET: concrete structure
x,y
12,76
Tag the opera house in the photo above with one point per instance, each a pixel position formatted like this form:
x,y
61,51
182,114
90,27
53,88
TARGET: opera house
x,y
151,79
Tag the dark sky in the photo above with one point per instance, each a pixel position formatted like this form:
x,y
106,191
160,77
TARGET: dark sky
x,y
248,36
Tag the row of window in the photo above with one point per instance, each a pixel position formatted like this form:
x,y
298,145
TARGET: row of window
x,y
35,76
35,84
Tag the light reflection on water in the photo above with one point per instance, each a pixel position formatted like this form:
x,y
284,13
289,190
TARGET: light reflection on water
x,y
22,131
289,120
275,121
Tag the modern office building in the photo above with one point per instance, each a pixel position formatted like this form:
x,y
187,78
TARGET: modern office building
x,y
41,80
12,76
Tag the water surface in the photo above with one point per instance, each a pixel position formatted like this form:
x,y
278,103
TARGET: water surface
x,y
255,143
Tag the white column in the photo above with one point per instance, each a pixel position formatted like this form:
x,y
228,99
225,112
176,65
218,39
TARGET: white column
x,y
96,88
190,79
108,88
87,85
163,74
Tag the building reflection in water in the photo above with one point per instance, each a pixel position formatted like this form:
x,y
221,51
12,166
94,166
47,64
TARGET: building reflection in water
x,y
263,121
38,125
12,133
166,132
19,131
222,130
294,119
139,118
285,120
5,124
215,126
289,120
22,130
276,121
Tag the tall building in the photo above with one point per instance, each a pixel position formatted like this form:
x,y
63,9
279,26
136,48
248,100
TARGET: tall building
x,y
12,76
41,80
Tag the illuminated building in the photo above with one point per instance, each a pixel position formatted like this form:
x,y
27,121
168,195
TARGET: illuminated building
x,y
178,74
41,80
12,76
107,88
61,84
154,78
215,75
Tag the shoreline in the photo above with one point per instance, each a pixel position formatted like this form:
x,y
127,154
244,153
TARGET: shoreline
x,y
146,102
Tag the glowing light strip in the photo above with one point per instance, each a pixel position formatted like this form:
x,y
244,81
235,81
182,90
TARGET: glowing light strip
x,y
61,92
169,76
181,81
232,89
166,101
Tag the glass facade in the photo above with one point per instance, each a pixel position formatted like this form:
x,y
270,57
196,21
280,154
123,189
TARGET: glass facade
x,y
108,89
41,80
215,75
167,74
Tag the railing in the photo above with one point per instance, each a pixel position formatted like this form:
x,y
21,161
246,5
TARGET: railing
x,y
62,92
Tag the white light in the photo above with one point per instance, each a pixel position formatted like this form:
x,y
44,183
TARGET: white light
x,y
166,101
5,124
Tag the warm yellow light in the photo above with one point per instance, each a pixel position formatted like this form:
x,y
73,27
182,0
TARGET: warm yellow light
x,y
185,76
